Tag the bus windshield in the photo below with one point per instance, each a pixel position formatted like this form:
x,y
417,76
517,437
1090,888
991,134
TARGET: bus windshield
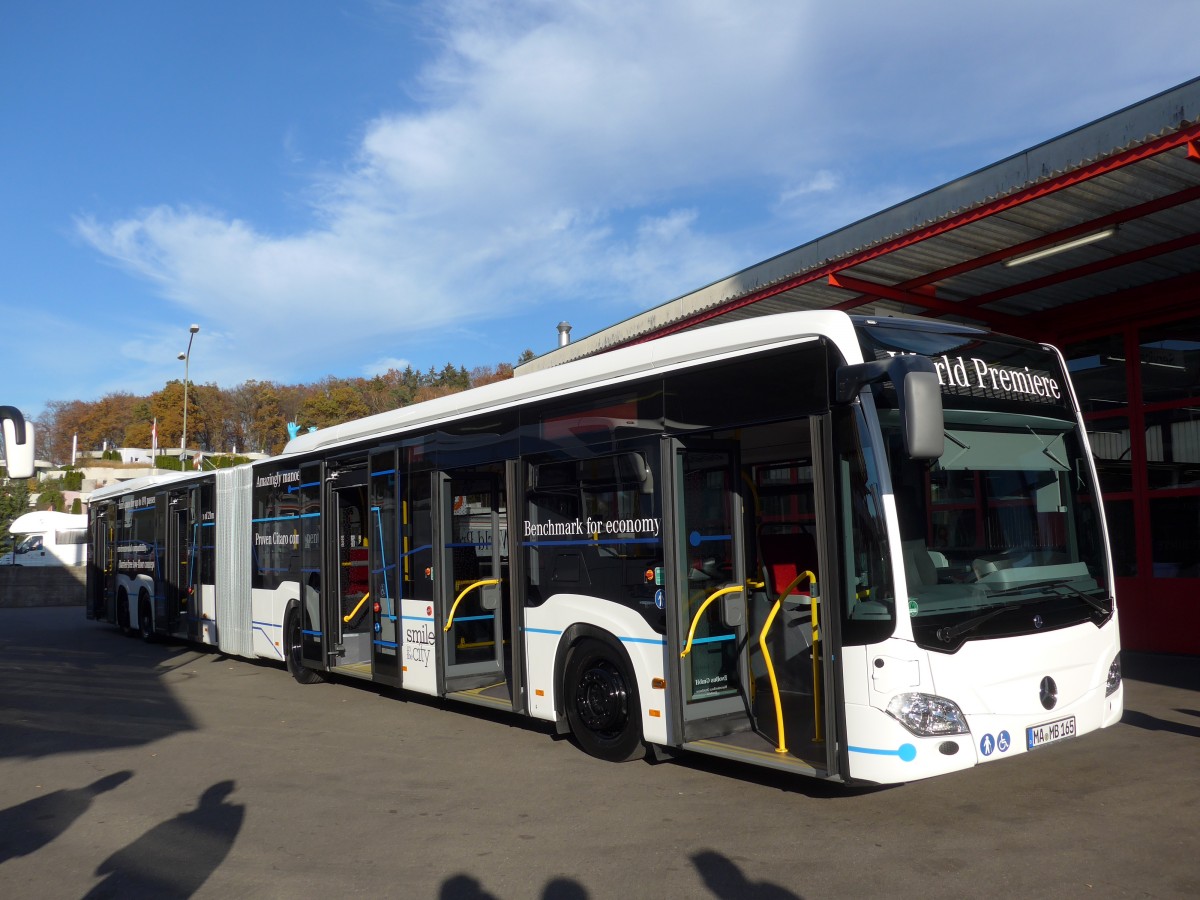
x,y
1000,536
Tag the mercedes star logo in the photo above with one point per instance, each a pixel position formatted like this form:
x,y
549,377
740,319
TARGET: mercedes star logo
x,y
1049,692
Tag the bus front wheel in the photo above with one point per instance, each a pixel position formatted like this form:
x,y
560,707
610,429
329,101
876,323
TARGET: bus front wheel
x,y
295,651
602,702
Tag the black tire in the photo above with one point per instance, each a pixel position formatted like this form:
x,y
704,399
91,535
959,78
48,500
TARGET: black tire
x,y
602,702
145,619
123,613
294,643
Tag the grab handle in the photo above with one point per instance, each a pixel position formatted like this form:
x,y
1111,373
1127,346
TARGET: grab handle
x,y
457,600
731,589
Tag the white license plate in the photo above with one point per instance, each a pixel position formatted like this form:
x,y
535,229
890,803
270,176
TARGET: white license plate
x,y
1048,733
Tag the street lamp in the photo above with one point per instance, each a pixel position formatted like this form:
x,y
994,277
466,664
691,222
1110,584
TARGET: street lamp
x,y
187,358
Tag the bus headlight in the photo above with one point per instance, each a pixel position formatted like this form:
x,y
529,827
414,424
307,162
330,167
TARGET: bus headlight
x,y
1114,676
927,714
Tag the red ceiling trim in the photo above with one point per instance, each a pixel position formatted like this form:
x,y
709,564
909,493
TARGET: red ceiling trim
x,y
923,299
1184,137
1142,210
1114,262
1102,313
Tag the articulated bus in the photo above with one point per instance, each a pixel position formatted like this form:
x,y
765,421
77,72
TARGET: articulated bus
x,y
866,550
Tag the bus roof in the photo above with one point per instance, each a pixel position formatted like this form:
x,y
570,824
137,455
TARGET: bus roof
x,y
146,481
627,362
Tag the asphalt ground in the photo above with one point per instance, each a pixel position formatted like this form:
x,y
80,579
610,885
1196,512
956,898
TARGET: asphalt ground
x,y
131,770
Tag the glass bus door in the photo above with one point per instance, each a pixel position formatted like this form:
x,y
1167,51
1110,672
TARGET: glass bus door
x,y
707,580
180,583
312,631
101,568
350,620
384,549
473,526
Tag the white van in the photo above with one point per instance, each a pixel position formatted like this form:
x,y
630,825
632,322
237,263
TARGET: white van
x,y
50,539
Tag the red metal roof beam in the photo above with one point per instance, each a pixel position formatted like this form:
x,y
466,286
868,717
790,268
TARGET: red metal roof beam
x,y
923,299
1124,259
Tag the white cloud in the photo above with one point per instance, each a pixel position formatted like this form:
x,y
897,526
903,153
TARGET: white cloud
x,y
572,149
384,365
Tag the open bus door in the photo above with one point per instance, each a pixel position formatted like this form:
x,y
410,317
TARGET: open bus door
x,y
755,675
707,580
473,585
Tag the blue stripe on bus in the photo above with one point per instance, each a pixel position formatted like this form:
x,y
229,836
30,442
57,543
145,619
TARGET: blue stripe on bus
x,y
713,640
906,752
391,645
591,543
473,618
313,633
417,550
417,618
258,626
381,474
292,518
624,640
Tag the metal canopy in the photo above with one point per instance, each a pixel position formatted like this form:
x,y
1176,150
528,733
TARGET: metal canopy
x,y
1088,229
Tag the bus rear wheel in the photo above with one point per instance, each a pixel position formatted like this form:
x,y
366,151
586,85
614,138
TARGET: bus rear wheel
x,y
145,619
123,613
295,651
602,702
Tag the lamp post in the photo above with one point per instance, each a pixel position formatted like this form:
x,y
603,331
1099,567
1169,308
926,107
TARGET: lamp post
x,y
187,358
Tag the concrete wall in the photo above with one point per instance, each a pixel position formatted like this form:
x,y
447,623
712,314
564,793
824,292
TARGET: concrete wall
x,y
42,585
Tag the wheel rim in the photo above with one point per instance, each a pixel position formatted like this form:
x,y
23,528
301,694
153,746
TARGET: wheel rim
x,y
602,699
295,647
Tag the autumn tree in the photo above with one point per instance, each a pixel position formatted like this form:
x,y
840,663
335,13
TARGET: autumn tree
x,y
334,401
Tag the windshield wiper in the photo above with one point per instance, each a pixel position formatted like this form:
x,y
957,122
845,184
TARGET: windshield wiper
x,y
947,634
1047,587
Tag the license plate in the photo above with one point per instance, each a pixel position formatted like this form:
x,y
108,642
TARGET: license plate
x,y
1048,733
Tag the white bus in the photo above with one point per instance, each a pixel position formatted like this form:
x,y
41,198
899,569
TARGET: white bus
x,y
48,538
866,550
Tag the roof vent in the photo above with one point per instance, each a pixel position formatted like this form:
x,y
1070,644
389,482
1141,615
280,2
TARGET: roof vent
x,y
564,333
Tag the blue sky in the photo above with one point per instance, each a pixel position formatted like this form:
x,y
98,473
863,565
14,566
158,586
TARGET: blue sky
x,y
337,187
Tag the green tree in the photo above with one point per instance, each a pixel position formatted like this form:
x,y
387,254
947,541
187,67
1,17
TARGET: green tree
x,y
14,502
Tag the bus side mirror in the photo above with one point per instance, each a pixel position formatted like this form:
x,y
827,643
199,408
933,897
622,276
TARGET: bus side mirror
x,y
18,443
918,396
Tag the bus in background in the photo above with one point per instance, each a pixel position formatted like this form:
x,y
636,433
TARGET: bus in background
x,y
18,443
865,550
47,538
152,556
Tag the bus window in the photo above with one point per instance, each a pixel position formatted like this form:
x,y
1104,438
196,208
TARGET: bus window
x,y
593,526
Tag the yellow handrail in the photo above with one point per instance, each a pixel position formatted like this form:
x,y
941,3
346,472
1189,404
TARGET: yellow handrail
x,y
762,643
354,612
818,734
465,591
732,589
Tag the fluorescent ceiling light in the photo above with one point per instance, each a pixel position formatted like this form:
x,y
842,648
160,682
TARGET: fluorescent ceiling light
x,y
1061,248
